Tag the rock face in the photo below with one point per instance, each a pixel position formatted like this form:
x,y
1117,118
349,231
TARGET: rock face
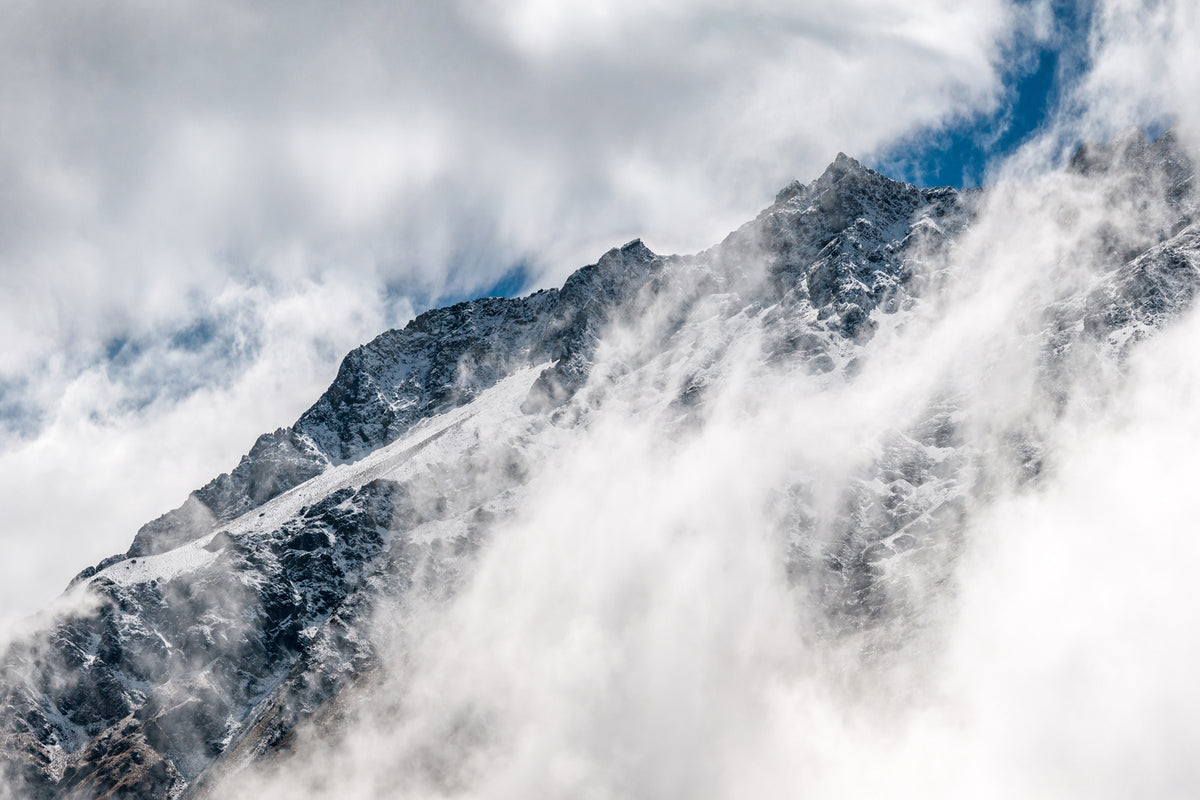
x,y
246,611
439,361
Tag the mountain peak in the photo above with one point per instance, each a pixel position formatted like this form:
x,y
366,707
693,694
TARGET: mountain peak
x,y
635,249
843,167
1130,148
618,259
249,611
793,189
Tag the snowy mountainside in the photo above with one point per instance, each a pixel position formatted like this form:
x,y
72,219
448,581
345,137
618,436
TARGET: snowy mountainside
x,y
255,607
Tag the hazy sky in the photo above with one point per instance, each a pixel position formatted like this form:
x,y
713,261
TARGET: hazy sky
x,y
204,206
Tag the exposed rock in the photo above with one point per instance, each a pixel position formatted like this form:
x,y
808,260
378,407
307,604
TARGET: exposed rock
x,y
247,611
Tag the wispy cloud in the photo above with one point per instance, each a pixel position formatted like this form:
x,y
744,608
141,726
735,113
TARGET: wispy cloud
x,y
630,631
242,170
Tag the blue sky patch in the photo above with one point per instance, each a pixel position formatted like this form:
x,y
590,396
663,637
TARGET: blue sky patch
x,y
961,153
512,283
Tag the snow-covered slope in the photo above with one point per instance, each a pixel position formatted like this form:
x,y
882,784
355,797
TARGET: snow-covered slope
x,y
250,609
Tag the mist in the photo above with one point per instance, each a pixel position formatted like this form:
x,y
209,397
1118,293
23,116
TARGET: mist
x,y
251,170
663,604
643,625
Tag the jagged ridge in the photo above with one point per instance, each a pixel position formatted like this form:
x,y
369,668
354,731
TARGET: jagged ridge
x,y
255,613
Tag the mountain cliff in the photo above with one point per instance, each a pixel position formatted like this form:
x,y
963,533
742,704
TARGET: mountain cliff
x,y
249,611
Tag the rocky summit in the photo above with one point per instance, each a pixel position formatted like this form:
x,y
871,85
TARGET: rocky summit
x,y
249,612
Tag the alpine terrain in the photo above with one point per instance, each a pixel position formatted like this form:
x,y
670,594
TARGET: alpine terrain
x,y
804,420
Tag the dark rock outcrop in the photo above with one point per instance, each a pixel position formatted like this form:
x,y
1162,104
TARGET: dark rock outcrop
x,y
237,617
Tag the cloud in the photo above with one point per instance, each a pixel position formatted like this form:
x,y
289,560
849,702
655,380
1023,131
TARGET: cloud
x,y
199,167
629,631
128,438
201,132
1145,65
1067,656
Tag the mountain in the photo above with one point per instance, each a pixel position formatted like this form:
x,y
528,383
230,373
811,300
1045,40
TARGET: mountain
x,y
252,611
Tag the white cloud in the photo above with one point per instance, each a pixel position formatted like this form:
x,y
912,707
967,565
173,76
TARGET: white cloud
x,y
629,633
1146,64
127,440
152,156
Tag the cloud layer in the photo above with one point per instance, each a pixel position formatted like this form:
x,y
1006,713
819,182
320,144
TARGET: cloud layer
x,y
631,632
627,635
618,640
186,185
